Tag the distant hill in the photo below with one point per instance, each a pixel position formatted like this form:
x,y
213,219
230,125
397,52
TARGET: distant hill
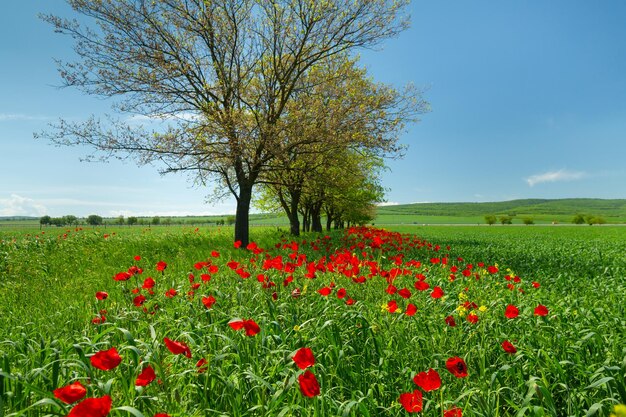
x,y
17,218
560,209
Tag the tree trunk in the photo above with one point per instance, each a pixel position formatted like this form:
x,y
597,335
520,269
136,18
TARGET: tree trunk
x,y
242,221
294,221
316,218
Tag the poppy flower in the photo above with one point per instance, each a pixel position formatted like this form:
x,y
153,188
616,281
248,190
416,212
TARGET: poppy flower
x,y
122,276
92,407
309,387
411,401
237,244
70,393
437,292
171,293
202,365
145,377
404,293
511,312
101,295
324,291
392,306
208,301
304,358
137,258
453,412
160,266
457,367
249,326
161,415
106,359
472,318
450,321
391,289
148,283
215,254
341,293
421,285
492,269
536,284
139,300
508,347
541,310
411,309
177,348
428,381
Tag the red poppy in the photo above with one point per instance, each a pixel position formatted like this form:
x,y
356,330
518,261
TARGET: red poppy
x,y
341,293
304,358
541,310
428,381
160,266
122,276
70,393
492,269
177,348
437,292
215,254
148,283
202,365
421,285
391,289
137,258
457,367
324,291
92,407
536,284
392,306
404,293
350,302
411,309
161,415
139,300
508,347
309,387
411,401
511,312
472,318
145,377
249,326
450,321
171,293
453,412
106,359
237,244
208,301
101,295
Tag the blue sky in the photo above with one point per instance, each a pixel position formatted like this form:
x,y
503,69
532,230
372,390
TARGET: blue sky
x,y
528,101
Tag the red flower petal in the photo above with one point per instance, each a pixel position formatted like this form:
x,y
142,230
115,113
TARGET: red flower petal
x,y
70,393
411,401
508,347
457,367
106,359
511,312
428,381
309,387
541,310
145,377
177,348
92,407
304,358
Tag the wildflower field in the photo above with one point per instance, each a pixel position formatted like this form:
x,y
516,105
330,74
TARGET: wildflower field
x,y
439,321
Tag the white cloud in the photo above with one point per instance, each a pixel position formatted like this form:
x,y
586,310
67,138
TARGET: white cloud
x,y
554,176
17,205
388,203
18,116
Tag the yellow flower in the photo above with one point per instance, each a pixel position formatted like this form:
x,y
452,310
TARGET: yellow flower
x,y
619,410
462,296
384,307
296,328
461,310
482,309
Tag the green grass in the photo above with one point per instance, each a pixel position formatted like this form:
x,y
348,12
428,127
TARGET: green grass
x,y
569,363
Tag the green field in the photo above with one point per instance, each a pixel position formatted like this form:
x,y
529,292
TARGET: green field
x,y
367,353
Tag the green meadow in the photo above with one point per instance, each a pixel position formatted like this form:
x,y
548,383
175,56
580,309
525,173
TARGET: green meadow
x,y
364,301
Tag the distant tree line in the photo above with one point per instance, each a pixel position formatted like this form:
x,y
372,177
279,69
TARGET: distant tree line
x,y
96,220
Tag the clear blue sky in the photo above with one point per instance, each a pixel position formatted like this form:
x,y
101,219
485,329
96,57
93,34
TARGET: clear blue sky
x,y
528,101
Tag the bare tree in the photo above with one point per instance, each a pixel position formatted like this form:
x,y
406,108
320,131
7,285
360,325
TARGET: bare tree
x,y
219,72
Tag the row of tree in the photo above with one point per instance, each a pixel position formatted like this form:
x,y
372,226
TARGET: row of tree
x,y
252,94
96,220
